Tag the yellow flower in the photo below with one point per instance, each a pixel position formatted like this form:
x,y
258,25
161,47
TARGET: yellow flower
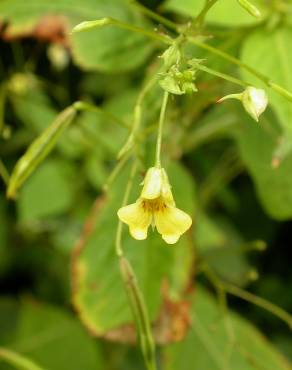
x,y
155,206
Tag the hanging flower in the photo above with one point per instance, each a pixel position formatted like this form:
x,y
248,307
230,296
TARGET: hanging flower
x,y
254,101
155,206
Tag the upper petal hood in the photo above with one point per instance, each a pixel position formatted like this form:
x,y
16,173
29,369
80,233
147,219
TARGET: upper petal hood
x,y
152,183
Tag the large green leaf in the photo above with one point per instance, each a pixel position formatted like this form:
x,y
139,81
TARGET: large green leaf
x,y
110,49
222,342
218,242
273,185
225,13
48,192
98,291
270,53
47,335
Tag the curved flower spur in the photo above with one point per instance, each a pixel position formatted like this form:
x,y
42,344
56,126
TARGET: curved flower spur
x,y
155,206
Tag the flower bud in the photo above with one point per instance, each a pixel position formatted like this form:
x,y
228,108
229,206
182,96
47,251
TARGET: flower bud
x,y
254,101
171,56
156,185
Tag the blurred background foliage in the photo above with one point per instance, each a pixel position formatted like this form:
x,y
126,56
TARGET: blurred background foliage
x,y
62,303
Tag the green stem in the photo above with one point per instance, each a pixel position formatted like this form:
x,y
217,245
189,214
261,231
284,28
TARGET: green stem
x,y
168,40
116,170
199,20
279,89
84,26
87,25
137,118
229,57
160,130
134,293
17,360
118,242
2,107
140,313
247,296
258,301
223,76
4,173
148,12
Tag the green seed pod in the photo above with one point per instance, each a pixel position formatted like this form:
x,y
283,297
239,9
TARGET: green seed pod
x,y
38,150
250,8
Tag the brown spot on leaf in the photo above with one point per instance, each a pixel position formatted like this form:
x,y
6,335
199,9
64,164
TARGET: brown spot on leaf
x,y
125,334
171,326
52,28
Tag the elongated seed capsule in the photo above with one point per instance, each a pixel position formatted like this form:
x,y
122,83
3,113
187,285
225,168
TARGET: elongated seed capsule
x,y
249,7
38,150
139,311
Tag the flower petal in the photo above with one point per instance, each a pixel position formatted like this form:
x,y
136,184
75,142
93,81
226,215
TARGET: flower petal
x,y
166,190
137,218
152,183
171,223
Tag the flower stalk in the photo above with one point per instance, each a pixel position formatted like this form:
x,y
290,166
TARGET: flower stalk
x,y
136,299
18,361
160,130
118,242
140,313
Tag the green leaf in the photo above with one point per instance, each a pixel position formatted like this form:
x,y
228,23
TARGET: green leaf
x,y
110,49
33,107
225,13
113,135
219,244
96,171
99,294
269,52
273,185
222,342
118,50
48,192
51,337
